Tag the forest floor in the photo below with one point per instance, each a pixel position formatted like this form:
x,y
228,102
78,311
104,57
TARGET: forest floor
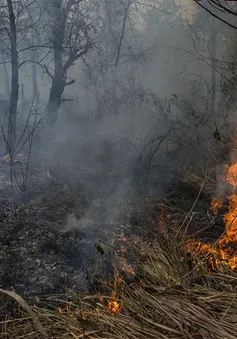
x,y
49,235
61,236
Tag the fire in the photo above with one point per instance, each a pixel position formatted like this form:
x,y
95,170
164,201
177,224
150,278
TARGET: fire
x,y
113,305
216,204
225,250
71,310
231,175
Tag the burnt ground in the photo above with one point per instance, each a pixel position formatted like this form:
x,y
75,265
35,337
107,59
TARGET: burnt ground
x,y
61,233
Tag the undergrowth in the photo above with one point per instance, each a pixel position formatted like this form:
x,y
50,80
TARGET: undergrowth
x,y
172,295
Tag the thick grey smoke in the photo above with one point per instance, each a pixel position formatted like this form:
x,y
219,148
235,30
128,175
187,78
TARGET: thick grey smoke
x,y
144,81
114,95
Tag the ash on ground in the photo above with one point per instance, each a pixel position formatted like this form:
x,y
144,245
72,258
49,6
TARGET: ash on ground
x,y
59,234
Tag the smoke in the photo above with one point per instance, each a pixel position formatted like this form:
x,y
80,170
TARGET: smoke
x,y
138,103
123,95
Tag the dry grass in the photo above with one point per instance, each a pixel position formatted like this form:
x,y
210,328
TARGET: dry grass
x,y
170,299
195,180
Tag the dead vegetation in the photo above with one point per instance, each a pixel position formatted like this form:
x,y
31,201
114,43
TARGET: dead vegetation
x,y
195,180
172,295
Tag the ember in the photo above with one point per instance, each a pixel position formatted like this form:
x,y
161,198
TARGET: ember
x,y
112,303
224,251
113,306
215,205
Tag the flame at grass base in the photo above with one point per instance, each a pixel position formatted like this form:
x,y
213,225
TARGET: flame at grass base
x,y
225,250
114,306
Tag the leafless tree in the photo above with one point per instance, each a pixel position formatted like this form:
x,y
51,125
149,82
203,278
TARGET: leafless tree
x,y
224,10
110,67
205,32
16,23
70,29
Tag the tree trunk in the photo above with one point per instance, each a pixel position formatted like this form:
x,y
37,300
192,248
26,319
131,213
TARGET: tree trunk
x,y
61,11
54,102
11,135
6,76
58,79
213,65
34,73
118,54
58,83
34,80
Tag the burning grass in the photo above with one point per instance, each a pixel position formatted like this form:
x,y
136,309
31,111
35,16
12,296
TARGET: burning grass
x,y
224,250
172,295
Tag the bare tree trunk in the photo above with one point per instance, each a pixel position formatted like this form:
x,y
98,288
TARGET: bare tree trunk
x,y
55,95
118,54
126,9
34,79
213,65
6,75
11,136
61,11
34,73
58,79
108,30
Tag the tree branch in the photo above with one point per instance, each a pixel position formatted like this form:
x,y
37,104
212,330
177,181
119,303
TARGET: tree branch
x,y
71,82
216,16
48,72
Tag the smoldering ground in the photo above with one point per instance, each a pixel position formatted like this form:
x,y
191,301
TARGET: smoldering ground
x,y
133,112
80,191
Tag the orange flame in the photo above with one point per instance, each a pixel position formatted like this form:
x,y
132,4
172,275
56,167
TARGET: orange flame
x,y
113,305
225,250
216,204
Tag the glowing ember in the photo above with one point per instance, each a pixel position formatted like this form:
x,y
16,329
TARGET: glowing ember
x,y
77,312
225,251
215,205
113,305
